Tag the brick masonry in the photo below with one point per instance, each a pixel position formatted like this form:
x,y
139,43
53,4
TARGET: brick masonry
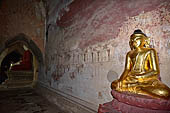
x,y
23,16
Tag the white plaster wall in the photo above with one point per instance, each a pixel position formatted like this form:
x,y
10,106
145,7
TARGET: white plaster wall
x,y
86,73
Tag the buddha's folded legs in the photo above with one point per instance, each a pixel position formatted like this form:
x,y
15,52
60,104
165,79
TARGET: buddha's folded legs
x,y
158,91
149,87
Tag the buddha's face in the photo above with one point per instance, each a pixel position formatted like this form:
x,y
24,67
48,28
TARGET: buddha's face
x,y
137,42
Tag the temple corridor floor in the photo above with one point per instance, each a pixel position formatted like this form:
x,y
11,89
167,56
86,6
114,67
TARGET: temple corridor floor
x,y
25,101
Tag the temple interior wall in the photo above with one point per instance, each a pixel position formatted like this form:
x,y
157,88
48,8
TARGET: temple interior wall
x,y
84,42
86,47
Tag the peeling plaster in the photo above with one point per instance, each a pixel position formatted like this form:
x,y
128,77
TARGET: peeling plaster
x,y
90,51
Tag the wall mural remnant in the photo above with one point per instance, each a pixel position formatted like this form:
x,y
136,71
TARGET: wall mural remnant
x,y
82,58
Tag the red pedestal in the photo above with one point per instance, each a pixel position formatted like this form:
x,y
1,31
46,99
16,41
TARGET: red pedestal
x,y
131,103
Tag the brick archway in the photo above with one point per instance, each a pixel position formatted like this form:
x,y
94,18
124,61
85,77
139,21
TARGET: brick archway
x,y
26,40
37,54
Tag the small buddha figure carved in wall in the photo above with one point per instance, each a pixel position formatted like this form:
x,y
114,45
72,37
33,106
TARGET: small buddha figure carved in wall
x,y
141,73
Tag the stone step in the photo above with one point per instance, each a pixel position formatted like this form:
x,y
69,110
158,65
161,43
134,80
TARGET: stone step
x,y
19,79
18,83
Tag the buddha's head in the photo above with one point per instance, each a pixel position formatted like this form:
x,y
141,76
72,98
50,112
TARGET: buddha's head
x,y
138,40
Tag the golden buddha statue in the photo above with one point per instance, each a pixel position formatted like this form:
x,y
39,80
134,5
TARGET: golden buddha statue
x,y
141,74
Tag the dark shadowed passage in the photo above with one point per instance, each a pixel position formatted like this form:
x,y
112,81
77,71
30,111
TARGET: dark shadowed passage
x,y
25,101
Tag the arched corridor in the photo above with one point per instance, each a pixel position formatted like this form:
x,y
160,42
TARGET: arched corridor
x,y
70,51
20,60
16,91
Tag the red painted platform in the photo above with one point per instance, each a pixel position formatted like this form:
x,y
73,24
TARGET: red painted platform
x,y
133,103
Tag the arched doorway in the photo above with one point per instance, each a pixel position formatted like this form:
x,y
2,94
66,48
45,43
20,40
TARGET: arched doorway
x,y
15,47
13,56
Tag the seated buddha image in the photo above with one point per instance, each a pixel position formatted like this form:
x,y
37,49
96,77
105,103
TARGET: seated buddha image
x,y
141,73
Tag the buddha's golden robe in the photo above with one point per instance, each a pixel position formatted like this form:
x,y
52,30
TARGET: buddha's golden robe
x,y
141,75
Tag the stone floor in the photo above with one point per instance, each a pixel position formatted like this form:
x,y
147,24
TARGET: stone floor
x,y
25,101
